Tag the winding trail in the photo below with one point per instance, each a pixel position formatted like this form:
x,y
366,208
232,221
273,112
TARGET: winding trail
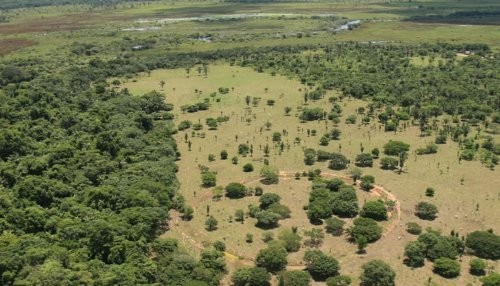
x,y
377,191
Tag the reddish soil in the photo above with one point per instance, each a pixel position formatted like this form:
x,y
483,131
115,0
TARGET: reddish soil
x,y
10,45
59,23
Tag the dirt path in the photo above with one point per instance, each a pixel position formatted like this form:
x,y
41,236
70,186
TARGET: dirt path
x,y
378,191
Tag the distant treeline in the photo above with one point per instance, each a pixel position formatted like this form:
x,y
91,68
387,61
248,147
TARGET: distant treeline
x,y
479,17
13,4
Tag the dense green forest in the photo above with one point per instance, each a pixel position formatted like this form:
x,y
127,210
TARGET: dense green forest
x,y
87,177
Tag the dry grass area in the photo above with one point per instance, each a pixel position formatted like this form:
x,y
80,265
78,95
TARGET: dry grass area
x,y
467,193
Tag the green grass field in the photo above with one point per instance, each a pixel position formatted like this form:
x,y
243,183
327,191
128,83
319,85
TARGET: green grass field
x,y
457,201
53,27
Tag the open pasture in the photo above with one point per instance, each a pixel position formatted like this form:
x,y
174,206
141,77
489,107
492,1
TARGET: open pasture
x,y
466,192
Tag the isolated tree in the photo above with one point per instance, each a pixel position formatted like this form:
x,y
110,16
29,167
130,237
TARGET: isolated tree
x,y
415,252
223,155
324,140
234,160
162,83
243,149
426,211
276,137
446,267
375,210
394,148
377,273
403,156
430,192
235,190
239,215
273,258
338,161
287,110
211,223
208,179
320,265
364,160
248,167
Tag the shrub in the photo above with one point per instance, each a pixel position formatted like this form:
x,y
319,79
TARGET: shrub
x,y
267,219
446,267
334,226
269,175
364,160
484,244
290,240
413,228
320,265
296,278
389,163
273,258
366,227
258,191
268,199
211,223
477,267
235,190
367,182
491,280
377,273
208,179
338,161
223,155
426,211
248,167
341,280
429,149
394,148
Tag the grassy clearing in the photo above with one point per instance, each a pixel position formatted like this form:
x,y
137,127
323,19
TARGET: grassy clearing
x,y
457,200
409,32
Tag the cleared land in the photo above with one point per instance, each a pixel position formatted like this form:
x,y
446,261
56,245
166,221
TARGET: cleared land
x,y
466,193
